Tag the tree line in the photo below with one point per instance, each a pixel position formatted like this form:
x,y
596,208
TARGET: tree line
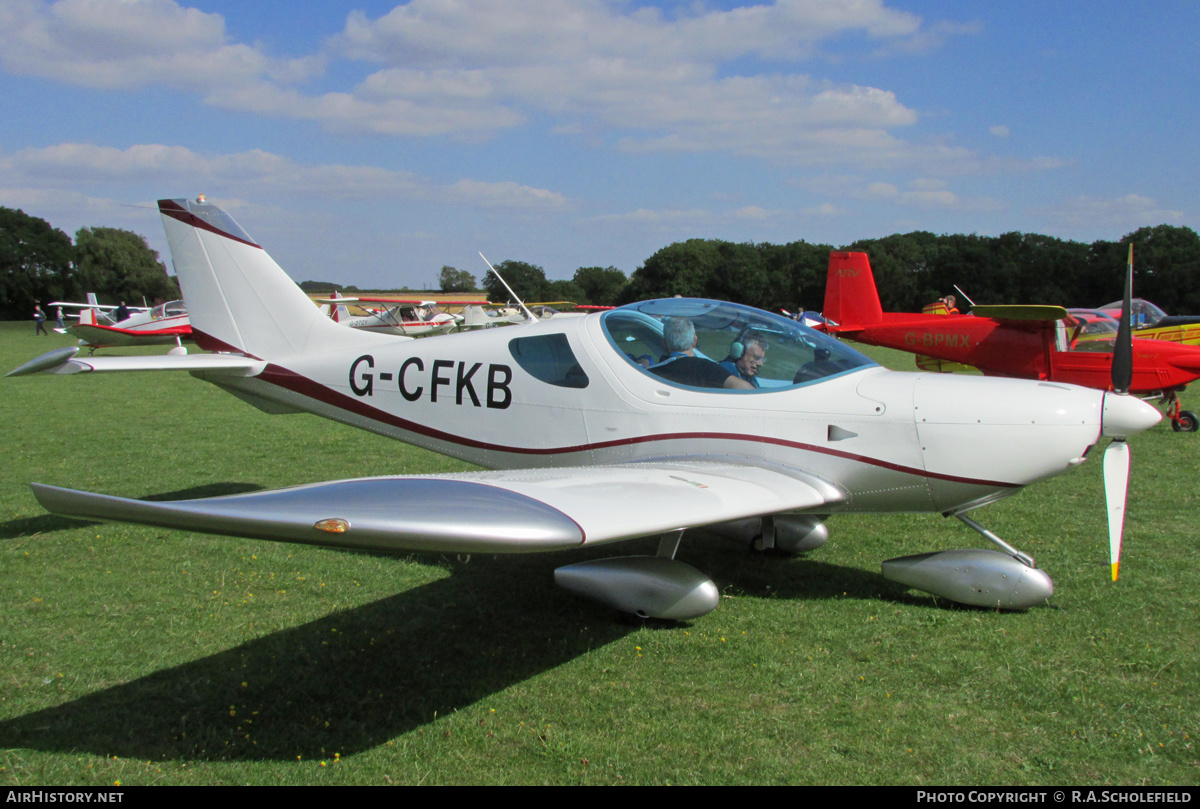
x,y
39,263
911,270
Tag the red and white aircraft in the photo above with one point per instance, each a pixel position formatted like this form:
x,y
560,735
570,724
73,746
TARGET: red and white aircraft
x,y
165,324
588,446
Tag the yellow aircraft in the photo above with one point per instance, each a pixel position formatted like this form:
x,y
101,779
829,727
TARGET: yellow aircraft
x,y
1152,323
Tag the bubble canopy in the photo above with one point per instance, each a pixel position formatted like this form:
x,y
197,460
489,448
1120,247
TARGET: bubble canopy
x,y
729,336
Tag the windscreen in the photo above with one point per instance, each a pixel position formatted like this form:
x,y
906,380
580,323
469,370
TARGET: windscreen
x,y
696,343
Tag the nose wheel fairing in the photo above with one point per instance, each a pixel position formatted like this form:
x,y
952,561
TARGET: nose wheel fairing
x,y
975,577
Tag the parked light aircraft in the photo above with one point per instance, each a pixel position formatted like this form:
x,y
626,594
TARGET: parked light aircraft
x,y
1028,342
165,324
407,318
483,315
587,446
1150,322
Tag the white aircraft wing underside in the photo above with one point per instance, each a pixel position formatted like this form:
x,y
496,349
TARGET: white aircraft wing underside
x,y
494,512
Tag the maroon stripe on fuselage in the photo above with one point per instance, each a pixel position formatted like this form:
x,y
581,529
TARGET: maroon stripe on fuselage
x,y
290,380
210,343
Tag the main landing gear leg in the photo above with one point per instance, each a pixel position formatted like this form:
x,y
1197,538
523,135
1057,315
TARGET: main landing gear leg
x,y
1023,558
668,545
1182,421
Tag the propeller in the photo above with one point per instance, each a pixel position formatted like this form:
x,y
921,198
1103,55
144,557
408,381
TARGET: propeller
x,y
1117,459
1122,365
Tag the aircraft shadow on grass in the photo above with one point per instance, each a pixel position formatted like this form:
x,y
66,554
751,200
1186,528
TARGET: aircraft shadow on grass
x,y
47,523
42,524
354,679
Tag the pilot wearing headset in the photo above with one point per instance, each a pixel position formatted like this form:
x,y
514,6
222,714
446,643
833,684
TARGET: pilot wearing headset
x,y
683,366
746,356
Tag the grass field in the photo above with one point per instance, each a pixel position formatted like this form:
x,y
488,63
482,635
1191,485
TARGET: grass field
x,y
146,656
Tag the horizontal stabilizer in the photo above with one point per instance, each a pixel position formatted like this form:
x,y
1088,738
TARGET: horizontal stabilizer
x,y
64,361
50,362
484,512
1018,312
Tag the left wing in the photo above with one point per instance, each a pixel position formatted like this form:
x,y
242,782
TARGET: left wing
x,y
481,512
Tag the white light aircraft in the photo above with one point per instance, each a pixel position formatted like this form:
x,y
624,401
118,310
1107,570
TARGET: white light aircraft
x,y
586,445
486,315
165,324
405,318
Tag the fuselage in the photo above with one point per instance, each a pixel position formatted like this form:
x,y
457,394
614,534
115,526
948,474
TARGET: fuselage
x,y
163,325
891,441
1032,350
402,322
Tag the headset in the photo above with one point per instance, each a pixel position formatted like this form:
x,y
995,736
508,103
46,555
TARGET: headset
x,y
738,347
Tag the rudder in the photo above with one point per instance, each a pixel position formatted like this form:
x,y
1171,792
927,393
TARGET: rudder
x,y
851,299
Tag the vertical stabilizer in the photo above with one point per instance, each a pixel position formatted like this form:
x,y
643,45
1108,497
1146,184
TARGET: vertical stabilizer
x,y
238,298
339,313
851,299
87,317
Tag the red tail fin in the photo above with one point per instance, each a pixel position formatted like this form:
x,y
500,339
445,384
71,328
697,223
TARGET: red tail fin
x,y
851,300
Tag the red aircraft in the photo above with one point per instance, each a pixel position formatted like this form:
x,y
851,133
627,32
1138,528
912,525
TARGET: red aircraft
x,y
1029,342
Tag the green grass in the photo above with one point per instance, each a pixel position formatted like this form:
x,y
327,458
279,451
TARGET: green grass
x,y
147,656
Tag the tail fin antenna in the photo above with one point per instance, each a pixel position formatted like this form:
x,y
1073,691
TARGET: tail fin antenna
x,y
530,315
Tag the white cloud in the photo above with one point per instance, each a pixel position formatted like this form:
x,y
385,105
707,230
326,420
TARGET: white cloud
x,y
670,216
344,112
929,192
505,195
945,199
825,209
852,186
921,192
636,72
1000,131
457,32
1090,218
111,44
699,219
254,173
472,68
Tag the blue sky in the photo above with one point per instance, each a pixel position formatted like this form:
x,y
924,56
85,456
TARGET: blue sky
x,y
374,142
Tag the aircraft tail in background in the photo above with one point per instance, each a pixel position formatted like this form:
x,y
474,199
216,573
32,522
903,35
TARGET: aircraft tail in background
x,y
851,299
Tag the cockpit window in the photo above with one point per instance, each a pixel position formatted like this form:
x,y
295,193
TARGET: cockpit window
x,y
1142,313
696,343
549,358
1091,331
169,309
